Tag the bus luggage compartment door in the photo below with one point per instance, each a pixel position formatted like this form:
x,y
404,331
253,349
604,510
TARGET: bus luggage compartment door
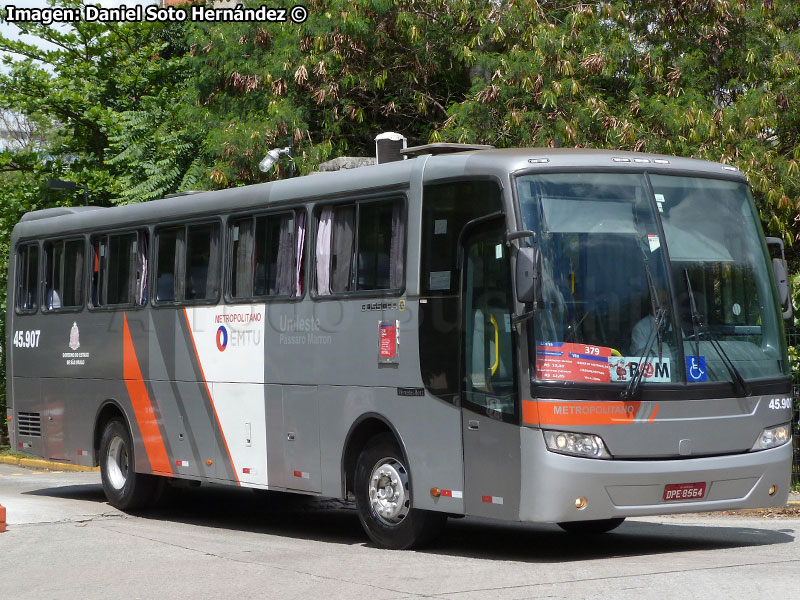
x,y
301,431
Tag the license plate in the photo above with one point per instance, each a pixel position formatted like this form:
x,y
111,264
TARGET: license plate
x,y
684,491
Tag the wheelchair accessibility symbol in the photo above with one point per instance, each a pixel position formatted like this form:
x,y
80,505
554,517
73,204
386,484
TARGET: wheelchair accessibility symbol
x,y
696,368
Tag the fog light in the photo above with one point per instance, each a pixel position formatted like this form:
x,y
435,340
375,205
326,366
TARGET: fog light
x,y
773,489
772,437
581,503
576,444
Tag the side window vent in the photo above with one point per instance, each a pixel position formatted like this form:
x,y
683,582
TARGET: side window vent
x,y
29,424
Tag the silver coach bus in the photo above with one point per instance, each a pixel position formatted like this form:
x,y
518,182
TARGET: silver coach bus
x,y
564,336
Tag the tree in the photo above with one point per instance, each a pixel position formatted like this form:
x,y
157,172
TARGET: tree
x,y
77,93
715,80
352,70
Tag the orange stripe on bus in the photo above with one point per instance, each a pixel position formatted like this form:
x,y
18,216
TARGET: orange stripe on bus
x,y
210,398
530,412
653,416
142,407
582,413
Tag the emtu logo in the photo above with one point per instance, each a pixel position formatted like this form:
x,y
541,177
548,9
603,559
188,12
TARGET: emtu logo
x,y
222,338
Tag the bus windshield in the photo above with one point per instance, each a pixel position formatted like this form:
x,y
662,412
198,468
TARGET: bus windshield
x,y
608,275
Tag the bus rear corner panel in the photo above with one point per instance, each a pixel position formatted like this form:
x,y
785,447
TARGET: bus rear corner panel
x,y
53,419
25,427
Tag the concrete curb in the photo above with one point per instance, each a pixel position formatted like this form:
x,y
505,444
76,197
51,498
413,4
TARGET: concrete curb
x,y
36,463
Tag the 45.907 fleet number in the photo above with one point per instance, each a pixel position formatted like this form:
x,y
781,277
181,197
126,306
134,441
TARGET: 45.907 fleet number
x,y
27,339
780,403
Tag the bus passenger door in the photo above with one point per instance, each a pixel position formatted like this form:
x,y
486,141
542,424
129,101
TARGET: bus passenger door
x,y
489,398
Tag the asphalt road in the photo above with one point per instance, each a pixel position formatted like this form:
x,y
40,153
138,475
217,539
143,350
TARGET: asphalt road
x,y
64,541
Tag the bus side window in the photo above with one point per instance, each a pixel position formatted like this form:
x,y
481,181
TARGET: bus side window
x,y
187,263
63,277
265,255
167,263
360,247
27,278
119,269
201,279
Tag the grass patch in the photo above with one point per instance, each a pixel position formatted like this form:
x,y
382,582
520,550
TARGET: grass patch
x,y
7,451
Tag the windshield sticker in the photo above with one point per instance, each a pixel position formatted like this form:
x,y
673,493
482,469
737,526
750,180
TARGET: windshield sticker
x,y
696,368
660,202
624,368
654,242
439,226
564,361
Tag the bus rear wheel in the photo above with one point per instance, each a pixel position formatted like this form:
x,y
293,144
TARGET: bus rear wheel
x,y
595,527
124,488
383,499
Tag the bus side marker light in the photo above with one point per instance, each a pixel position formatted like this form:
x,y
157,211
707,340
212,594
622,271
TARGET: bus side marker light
x,y
2,518
773,489
301,474
209,462
581,503
83,453
182,463
436,492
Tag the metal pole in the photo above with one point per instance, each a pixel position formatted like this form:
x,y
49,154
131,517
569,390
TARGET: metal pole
x,y
291,158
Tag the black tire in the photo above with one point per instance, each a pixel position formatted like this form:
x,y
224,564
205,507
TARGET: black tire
x,y
410,527
125,489
591,527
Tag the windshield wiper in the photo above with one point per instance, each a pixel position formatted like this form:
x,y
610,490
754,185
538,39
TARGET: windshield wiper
x,y
655,306
630,392
701,328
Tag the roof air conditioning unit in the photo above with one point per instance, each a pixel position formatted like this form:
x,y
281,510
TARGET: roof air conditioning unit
x,y
388,146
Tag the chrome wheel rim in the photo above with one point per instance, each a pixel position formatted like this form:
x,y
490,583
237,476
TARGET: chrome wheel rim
x,y
117,463
388,491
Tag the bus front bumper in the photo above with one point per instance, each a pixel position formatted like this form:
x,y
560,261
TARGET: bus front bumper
x,y
555,486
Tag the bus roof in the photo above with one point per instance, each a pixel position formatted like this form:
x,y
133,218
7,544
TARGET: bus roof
x,y
499,163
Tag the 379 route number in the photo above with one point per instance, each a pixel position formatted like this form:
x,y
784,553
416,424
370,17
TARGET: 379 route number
x,y
27,339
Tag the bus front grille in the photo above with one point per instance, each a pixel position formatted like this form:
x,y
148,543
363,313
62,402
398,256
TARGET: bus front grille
x,y
29,424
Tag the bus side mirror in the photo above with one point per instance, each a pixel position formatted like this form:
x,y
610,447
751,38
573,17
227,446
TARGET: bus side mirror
x,y
528,275
781,278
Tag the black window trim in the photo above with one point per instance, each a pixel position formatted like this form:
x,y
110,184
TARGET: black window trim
x,y
153,268
393,195
228,259
455,398
20,245
85,288
91,235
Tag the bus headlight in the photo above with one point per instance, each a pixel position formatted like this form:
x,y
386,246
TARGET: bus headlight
x,y
772,437
576,444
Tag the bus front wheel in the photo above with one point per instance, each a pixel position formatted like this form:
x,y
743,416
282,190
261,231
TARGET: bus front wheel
x,y
383,499
124,488
595,527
